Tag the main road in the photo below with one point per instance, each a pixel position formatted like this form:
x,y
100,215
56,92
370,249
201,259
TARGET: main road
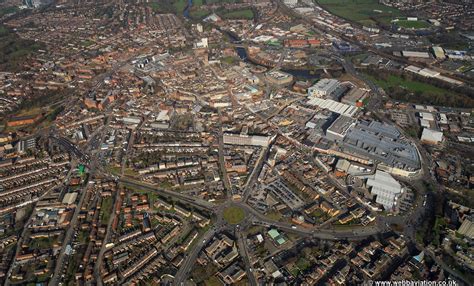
x,y
244,253
196,202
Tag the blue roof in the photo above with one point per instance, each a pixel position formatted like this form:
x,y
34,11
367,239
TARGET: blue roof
x,y
420,256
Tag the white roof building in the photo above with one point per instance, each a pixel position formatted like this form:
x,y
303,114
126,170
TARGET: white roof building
x,y
429,73
386,188
323,87
439,52
425,123
334,106
290,3
239,139
431,136
163,115
427,116
413,69
411,54
443,119
69,198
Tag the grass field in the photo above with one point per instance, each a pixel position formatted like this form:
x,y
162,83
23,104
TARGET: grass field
x,y
198,13
360,11
414,91
238,14
3,31
412,24
106,209
274,215
29,111
42,243
234,215
168,6
213,281
413,86
8,10
87,43
14,50
179,5
219,1
155,6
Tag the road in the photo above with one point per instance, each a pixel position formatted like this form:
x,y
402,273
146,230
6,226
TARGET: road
x,y
185,269
244,254
192,200
22,235
255,173
447,268
93,169
253,216
130,145
100,257
222,168
71,148
67,241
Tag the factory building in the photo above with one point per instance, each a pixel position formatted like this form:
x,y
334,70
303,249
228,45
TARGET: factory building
x,y
411,54
334,106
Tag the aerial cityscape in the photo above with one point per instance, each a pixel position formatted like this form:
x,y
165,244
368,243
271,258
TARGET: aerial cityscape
x,y
236,142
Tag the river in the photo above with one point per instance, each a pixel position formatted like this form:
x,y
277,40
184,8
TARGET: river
x,y
303,74
188,7
298,74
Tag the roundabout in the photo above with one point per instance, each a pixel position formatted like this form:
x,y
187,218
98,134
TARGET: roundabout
x,y
234,215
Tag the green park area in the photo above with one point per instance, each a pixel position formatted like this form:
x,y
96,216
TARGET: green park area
x,y
179,5
87,43
412,24
219,1
14,50
234,215
168,6
8,10
238,14
198,14
117,171
42,243
365,12
410,90
410,85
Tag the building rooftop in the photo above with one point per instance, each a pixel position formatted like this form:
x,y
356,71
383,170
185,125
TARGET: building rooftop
x,y
334,106
431,135
381,143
